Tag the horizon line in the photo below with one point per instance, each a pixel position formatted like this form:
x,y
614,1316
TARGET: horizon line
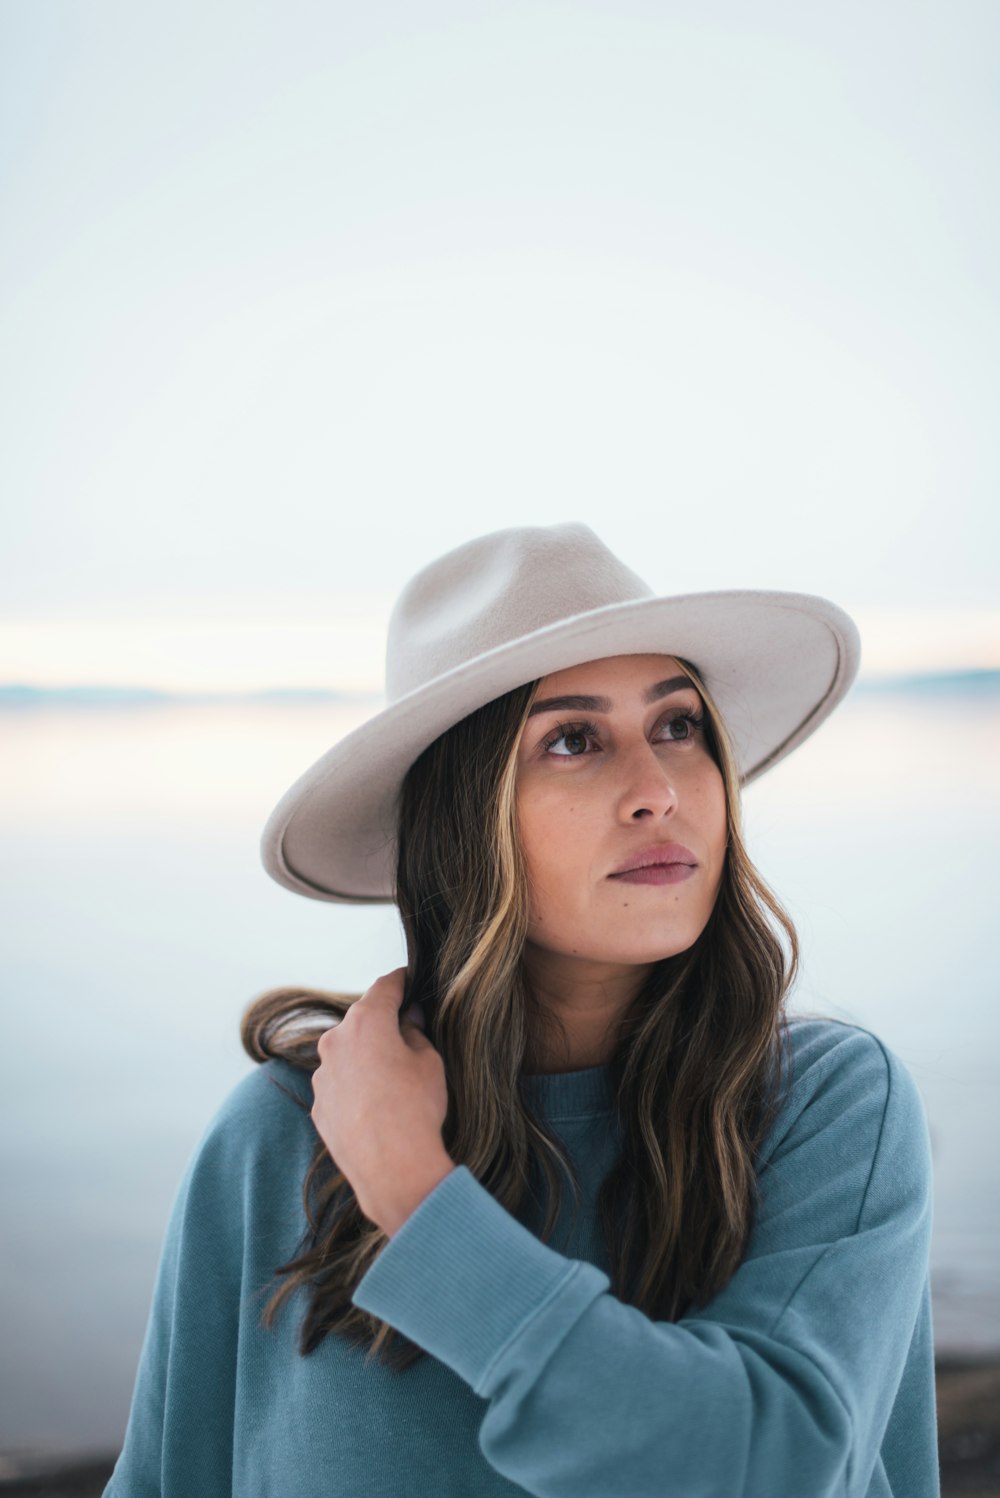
x,y
19,693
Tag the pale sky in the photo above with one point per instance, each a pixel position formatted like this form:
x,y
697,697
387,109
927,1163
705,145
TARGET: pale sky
x,y
295,296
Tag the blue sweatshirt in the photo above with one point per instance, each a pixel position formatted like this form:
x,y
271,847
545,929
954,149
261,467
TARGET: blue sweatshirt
x,y
810,1374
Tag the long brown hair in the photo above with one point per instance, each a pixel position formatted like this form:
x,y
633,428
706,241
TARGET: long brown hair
x,y
695,1071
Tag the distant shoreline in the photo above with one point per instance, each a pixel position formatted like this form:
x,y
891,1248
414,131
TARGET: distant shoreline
x,y
21,695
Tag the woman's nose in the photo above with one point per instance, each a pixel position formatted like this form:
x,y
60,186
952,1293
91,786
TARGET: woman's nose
x,y
647,785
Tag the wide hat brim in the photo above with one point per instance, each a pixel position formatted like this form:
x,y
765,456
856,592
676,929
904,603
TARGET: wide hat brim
x,y
776,665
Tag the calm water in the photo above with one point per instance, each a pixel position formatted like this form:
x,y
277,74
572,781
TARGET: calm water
x,y
138,923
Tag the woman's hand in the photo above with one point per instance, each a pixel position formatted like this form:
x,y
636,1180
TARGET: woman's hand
x,y
380,1101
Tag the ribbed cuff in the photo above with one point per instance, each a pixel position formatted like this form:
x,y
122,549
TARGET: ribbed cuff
x,y
462,1277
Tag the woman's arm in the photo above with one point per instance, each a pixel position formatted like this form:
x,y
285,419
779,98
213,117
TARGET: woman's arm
x,y
187,1369
784,1385
179,1440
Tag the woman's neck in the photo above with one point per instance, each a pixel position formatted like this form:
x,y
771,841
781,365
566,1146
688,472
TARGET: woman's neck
x,y
581,1005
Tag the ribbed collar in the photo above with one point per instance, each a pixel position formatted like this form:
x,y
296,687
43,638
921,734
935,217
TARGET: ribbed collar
x,y
570,1094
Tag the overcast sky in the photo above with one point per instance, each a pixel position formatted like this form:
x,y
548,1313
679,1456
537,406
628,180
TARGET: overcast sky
x,y
296,296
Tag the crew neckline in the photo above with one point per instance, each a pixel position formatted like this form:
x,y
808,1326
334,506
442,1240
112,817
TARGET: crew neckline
x,y
569,1094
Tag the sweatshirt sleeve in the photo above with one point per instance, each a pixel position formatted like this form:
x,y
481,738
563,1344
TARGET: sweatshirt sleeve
x,y
179,1438
782,1385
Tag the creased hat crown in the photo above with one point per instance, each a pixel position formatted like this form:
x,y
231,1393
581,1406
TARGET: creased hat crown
x,y
496,589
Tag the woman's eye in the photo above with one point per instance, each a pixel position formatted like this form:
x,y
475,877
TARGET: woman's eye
x,y
574,736
690,723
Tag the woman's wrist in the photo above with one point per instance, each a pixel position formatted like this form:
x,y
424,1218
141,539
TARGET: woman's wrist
x,y
411,1188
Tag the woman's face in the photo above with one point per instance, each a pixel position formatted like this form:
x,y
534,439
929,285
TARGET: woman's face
x,y
613,766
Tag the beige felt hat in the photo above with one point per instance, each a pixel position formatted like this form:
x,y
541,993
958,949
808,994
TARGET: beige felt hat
x,y
519,604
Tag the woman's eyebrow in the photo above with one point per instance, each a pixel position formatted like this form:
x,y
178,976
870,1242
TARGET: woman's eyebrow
x,y
604,704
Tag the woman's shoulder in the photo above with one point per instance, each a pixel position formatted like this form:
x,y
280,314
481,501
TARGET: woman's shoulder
x,y
844,1078
820,1047
240,1193
265,1086
266,1112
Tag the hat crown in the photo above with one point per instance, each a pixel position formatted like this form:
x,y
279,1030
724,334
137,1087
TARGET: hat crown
x,y
496,589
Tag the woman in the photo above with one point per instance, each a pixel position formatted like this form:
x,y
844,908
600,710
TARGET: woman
x,y
373,1282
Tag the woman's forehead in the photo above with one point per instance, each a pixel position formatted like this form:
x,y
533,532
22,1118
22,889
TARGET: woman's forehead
x,y
604,673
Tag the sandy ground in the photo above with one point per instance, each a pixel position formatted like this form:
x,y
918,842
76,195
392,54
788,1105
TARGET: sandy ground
x,y
968,1429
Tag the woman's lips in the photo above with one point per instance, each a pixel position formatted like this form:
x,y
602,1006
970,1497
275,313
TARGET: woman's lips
x,y
657,873
657,856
